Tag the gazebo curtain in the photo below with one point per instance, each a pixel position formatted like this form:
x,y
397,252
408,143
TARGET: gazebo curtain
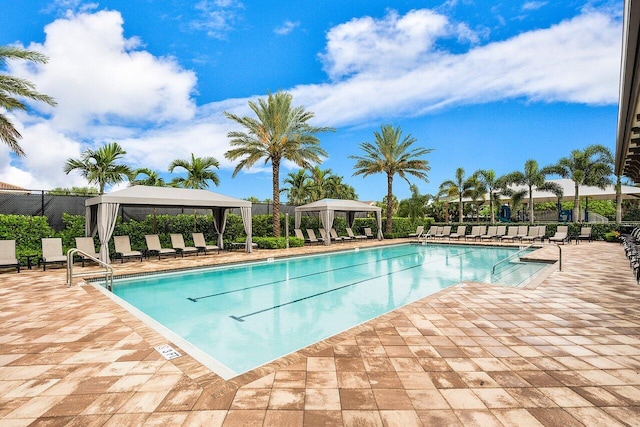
x,y
327,218
246,221
102,219
220,222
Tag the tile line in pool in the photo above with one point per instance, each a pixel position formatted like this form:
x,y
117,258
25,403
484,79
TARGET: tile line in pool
x,y
264,310
195,299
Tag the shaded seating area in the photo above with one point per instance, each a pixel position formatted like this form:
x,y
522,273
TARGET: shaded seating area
x,y
154,246
201,244
327,209
312,236
123,249
86,245
177,243
355,236
8,254
368,233
52,252
300,235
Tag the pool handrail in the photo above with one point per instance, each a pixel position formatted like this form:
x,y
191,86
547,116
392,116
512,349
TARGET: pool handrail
x,y
493,268
108,270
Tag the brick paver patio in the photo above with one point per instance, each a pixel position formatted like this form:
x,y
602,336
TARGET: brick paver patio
x,y
565,352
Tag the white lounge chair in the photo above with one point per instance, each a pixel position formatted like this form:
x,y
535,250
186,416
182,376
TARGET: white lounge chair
x,y
300,235
355,236
334,235
512,233
8,254
86,245
312,236
418,233
532,235
562,235
177,242
123,248
477,232
368,233
201,244
491,233
585,234
154,246
52,252
446,230
460,232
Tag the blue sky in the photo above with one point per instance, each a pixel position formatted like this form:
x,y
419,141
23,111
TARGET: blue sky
x,y
486,85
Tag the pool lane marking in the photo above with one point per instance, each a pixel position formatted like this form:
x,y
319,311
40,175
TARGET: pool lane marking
x,y
241,318
195,299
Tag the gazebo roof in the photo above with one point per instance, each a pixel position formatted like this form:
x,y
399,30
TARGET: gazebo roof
x,y
338,205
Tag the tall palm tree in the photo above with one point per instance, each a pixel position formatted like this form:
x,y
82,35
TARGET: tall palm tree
x,y
153,179
100,166
198,172
279,132
392,154
533,177
298,191
12,88
319,182
487,177
591,166
476,192
459,187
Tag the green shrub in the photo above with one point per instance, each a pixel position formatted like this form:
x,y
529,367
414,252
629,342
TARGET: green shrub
x,y
277,242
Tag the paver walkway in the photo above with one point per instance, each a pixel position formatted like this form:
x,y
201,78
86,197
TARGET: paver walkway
x,y
563,353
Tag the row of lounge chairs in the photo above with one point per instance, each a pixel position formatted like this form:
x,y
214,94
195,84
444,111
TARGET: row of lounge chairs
x,y
631,243
333,235
522,233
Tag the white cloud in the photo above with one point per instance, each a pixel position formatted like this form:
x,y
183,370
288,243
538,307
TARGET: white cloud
x,y
534,5
286,28
217,17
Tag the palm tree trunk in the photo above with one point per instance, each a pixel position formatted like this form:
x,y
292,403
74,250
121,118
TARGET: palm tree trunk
x,y
276,197
530,205
576,206
493,214
389,201
460,209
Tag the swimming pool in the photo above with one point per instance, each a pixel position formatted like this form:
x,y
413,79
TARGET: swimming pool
x,y
244,316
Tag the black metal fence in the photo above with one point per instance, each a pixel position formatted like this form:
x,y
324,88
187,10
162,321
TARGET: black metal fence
x,y
52,206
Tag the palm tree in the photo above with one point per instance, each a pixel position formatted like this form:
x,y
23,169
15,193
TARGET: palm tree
x,y
279,132
459,187
392,154
298,191
487,177
12,88
533,177
591,166
198,172
100,166
153,179
476,192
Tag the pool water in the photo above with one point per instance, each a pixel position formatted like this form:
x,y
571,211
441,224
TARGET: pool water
x,y
247,315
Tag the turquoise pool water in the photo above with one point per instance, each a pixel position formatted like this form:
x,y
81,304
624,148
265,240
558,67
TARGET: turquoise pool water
x,y
246,315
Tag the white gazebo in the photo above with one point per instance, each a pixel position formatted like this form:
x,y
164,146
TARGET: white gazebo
x,y
101,211
327,208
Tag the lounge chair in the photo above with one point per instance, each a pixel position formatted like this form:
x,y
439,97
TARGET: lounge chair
x,y
501,231
368,233
542,232
460,232
355,236
433,230
491,233
86,245
154,246
562,235
300,235
52,252
512,232
201,244
446,230
523,231
8,254
418,233
123,248
585,234
177,242
532,235
326,236
334,235
312,236
477,232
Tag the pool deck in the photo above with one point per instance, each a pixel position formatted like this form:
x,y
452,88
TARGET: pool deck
x,y
564,351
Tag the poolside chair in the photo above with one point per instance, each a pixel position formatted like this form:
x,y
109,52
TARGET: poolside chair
x,y
418,233
477,232
585,234
446,230
355,236
177,242
542,232
368,233
491,233
300,235
326,236
52,252
562,235
312,236
523,230
334,235
433,230
201,244
512,232
8,254
154,246
86,245
532,235
501,231
460,232
123,248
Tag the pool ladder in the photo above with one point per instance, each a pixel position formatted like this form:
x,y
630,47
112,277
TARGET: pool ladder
x,y
493,269
108,270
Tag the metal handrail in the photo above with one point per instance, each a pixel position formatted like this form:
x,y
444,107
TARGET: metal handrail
x,y
493,269
108,272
